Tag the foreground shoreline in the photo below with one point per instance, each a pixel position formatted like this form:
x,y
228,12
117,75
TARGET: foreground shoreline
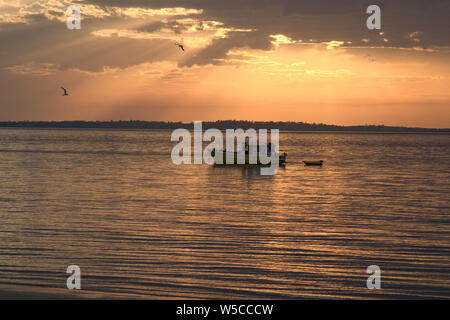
x,y
20,292
41,293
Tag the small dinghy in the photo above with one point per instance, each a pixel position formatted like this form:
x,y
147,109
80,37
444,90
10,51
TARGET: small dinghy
x,y
313,162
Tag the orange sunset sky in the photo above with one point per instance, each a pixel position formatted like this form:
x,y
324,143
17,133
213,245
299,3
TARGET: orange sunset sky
x,y
288,60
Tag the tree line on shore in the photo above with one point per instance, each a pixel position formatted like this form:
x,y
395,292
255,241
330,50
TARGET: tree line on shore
x,y
222,125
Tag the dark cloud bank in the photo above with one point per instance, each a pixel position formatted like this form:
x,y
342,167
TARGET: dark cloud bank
x,y
320,20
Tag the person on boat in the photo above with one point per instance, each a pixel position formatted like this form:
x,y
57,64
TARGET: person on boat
x,y
269,148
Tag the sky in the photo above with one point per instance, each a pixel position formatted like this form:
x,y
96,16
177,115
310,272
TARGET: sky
x,y
283,60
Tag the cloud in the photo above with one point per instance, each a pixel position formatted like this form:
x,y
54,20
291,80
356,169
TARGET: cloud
x,y
334,44
210,28
326,21
279,39
34,69
218,49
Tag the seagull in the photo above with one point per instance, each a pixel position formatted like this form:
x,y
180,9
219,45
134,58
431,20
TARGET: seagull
x,y
65,92
179,45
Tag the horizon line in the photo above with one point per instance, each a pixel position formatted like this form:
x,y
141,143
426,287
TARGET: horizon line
x,y
313,124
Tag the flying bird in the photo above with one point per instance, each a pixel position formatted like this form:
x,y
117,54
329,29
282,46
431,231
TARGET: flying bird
x,y
65,92
180,45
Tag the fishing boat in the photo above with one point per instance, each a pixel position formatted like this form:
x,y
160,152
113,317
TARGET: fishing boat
x,y
244,157
313,162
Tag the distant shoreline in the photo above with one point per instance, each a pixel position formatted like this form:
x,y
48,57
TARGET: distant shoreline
x,y
229,124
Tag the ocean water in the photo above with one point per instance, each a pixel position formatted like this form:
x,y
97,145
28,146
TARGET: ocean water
x,y
113,203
